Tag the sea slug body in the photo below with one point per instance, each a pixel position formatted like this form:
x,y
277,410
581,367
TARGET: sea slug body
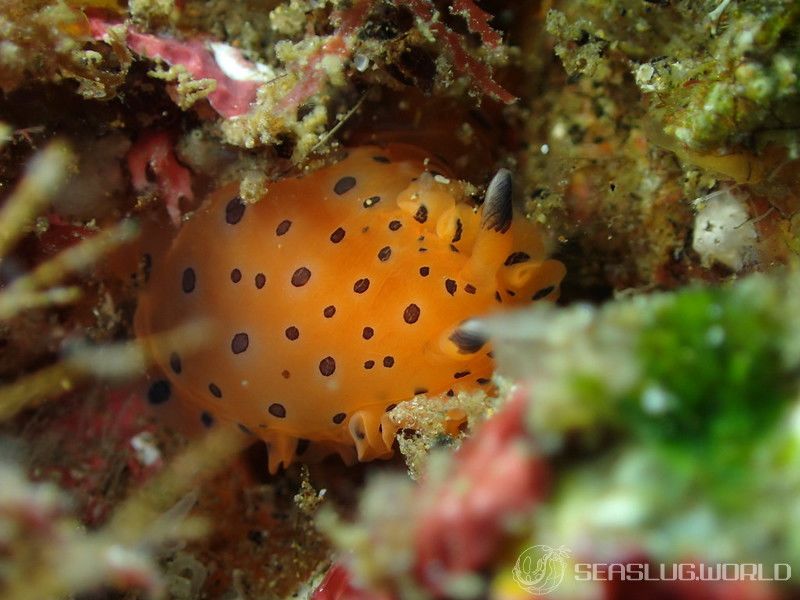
x,y
336,296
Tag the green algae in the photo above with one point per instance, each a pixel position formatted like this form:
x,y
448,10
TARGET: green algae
x,y
711,366
699,371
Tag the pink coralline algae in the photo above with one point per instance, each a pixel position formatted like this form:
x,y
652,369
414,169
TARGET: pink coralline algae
x,y
230,98
233,97
338,585
460,519
152,155
92,447
339,44
496,476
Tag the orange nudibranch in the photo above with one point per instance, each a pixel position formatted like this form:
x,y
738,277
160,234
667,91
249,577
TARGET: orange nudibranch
x,y
337,295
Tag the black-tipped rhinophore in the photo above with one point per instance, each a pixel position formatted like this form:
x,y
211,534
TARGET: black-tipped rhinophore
x,y
467,342
497,209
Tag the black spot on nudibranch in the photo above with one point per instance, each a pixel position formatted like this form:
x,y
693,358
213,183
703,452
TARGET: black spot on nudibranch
x,y
470,289
300,277
207,419
215,391
175,363
338,418
260,280
344,185
516,257
277,410
361,286
283,227
391,407
236,275
239,343
459,231
369,364
424,271
451,286
384,254
381,159
543,293
367,333
337,236
411,314
388,361
461,374
395,225
327,366
371,201
422,214
234,211
292,333
159,392
189,280
329,311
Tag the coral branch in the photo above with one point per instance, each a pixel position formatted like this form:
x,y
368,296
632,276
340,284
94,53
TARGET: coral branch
x,y
477,21
47,556
470,66
339,46
76,258
111,361
46,172
463,61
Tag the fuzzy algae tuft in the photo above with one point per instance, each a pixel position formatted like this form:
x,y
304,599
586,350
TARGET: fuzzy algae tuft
x,y
715,73
695,391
